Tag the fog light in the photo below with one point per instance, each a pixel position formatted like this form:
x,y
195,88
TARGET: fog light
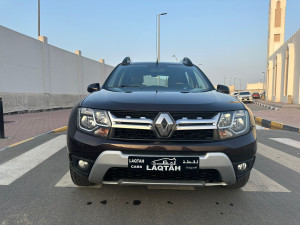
x,y
83,164
242,167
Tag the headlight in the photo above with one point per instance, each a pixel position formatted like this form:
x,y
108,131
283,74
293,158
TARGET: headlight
x,y
233,124
94,121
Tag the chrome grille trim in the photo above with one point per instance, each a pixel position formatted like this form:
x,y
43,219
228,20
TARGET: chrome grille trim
x,y
148,124
198,124
128,123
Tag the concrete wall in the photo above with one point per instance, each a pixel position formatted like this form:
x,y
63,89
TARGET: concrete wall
x,y
283,72
37,75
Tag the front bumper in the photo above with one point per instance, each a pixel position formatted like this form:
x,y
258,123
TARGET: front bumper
x,y
108,159
103,154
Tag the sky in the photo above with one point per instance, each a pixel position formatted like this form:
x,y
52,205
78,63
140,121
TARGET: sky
x,y
229,38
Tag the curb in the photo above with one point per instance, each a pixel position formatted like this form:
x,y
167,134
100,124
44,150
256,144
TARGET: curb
x,y
275,125
57,130
35,111
60,129
266,106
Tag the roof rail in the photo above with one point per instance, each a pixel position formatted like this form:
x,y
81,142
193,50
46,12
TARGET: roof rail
x,y
126,61
186,61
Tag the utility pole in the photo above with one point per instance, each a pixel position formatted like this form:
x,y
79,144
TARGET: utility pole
x,y
234,83
39,18
264,86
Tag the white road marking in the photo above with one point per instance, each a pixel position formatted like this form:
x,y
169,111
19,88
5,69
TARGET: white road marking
x,y
288,141
261,183
18,166
280,157
66,181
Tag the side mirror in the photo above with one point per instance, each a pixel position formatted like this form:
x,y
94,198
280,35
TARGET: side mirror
x,y
223,89
93,87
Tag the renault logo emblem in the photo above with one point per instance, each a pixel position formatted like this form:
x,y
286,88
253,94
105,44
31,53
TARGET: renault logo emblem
x,y
164,124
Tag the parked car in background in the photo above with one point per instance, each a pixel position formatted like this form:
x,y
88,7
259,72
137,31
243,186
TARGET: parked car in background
x,y
245,96
255,95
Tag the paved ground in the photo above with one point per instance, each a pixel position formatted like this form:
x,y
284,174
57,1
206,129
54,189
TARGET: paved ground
x,y
278,104
287,116
22,126
38,190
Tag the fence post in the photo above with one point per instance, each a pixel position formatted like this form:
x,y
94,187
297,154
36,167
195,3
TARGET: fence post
x,y
2,135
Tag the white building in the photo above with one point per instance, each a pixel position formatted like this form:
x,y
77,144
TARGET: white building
x,y
283,73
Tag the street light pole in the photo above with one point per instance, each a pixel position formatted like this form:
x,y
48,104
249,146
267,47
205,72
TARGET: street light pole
x,y
158,44
234,83
224,80
264,86
39,24
240,84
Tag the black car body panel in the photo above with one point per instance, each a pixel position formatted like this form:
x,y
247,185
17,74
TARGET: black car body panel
x,y
161,101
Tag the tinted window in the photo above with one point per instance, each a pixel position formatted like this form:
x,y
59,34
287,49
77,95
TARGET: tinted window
x,y
161,77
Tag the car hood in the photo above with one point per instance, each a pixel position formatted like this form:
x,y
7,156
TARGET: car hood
x,y
161,101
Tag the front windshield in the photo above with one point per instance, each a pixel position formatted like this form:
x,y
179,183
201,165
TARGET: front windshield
x,y
161,77
245,93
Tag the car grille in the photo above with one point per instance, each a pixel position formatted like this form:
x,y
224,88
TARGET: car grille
x,y
183,126
186,135
192,115
136,115
206,175
175,115
133,134
201,135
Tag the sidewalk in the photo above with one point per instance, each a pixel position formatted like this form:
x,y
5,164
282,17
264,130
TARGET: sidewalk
x,y
278,104
20,127
287,116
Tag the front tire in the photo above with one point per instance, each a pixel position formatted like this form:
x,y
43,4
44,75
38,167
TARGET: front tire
x,y
79,179
239,183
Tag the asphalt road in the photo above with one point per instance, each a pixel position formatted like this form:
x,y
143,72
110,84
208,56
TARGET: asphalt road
x,y
36,189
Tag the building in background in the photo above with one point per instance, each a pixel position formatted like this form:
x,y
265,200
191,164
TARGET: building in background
x,y
256,87
283,73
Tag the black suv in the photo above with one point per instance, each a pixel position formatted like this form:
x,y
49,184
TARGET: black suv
x,y
160,124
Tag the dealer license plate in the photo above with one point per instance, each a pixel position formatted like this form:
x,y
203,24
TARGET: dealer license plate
x,y
163,164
